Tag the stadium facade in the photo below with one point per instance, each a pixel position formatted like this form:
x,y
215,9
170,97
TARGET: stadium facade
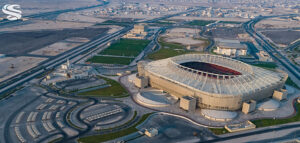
x,y
216,82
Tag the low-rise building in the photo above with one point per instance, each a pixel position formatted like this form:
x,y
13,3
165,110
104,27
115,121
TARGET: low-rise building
x,y
280,95
249,106
68,71
138,32
240,127
231,48
188,103
141,82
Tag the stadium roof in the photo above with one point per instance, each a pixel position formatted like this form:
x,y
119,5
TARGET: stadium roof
x,y
252,78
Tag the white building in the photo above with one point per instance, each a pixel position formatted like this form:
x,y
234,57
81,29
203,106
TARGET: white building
x,y
68,71
231,48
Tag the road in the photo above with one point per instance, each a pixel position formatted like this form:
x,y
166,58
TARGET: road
x,y
257,132
210,39
293,46
171,15
265,44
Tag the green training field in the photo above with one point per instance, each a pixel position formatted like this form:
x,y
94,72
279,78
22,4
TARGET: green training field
x,y
201,22
169,50
266,65
291,83
126,47
218,131
231,22
111,60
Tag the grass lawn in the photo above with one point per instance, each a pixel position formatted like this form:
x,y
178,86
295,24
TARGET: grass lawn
x,y
212,50
271,122
218,131
113,22
291,83
111,136
231,22
126,47
111,60
56,140
165,22
201,22
165,53
266,65
168,50
115,90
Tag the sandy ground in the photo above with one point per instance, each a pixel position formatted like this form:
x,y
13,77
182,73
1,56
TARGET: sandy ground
x,y
60,47
46,25
283,37
112,28
20,43
76,17
185,41
277,23
77,39
183,36
183,30
21,64
207,18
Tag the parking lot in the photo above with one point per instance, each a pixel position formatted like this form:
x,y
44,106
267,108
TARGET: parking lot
x,y
36,116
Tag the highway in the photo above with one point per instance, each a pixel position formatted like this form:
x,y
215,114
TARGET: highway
x,y
38,15
254,133
61,59
265,44
293,46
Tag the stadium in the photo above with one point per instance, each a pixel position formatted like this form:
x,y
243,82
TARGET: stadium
x,y
217,82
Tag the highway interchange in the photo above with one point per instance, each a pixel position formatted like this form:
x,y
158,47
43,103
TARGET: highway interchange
x,y
249,27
